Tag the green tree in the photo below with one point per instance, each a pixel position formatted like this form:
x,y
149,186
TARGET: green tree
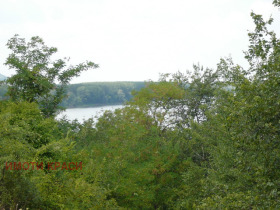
x,y
138,165
36,74
26,136
243,171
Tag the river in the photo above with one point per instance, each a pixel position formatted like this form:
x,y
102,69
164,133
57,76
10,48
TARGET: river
x,y
85,113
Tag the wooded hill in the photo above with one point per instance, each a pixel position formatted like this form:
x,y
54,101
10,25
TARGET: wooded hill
x,y
2,77
95,93
100,93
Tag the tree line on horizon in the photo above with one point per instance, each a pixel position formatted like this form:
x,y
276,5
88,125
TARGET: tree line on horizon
x,y
94,93
100,93
204,139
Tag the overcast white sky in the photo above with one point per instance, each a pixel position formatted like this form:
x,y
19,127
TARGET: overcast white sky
x,y
134,40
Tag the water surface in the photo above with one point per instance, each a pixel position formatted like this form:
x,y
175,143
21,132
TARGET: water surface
x,y
85,113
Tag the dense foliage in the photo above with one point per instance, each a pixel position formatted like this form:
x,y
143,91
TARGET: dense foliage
x,y
209,139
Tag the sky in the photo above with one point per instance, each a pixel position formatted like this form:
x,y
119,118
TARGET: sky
x,y
135,40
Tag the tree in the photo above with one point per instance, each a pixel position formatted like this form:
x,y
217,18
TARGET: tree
x,y
36,74
244,167
139,165
177,99
26,137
